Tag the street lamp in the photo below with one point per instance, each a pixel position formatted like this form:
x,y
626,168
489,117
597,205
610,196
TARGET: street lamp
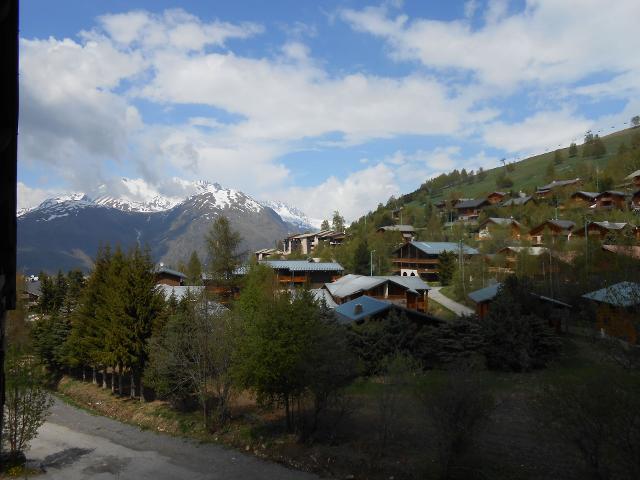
x,y
371,262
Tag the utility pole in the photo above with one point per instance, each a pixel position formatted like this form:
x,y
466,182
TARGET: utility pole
x,y
371,262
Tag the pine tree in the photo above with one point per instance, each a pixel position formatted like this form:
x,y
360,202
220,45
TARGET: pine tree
x,y
573,150
338,222
447,267
194,270
550,173
223,247
325,225
557,157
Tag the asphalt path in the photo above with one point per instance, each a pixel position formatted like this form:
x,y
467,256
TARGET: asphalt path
x,y
457,308
74,444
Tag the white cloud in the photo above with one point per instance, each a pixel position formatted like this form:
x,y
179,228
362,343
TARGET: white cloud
x,y
354,195
542,131
550,41
173,29
29,197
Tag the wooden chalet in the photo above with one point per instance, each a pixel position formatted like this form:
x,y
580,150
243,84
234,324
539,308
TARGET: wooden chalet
x,y
617,310
168,276
611,199
635,201
634,178
496,197
556,186
306,243
365,308
555,310
469,210
557,229
265,253
494,223
585,199
631,251
408,292
519,201
422,259
407,231
603,229
304,272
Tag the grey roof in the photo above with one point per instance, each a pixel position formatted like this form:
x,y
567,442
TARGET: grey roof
x,y
474,203
320,294
398,228
179,291
623,294
303,266
485,294
360,308
170,271
516,201
591,195
33,288
436,248
633,175
558,183
534,251
564,224
615,193
351,284
611,225
501,221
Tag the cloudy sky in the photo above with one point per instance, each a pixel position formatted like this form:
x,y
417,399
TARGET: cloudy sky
x,y
324,105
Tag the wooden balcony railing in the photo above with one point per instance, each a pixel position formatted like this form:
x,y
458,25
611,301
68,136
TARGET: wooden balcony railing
x,y
423,261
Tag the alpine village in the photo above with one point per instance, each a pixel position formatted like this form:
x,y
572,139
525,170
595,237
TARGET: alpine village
x,y
482,326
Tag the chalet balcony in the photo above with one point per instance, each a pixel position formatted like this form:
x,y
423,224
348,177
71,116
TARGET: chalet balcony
x,y
421,261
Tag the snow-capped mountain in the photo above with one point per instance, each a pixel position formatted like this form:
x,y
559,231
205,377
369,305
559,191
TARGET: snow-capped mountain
x,y
65,232
293,215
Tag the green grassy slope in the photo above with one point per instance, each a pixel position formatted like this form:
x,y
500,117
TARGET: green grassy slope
x,y
530,172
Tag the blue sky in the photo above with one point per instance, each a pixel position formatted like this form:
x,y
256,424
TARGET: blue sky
x,y
324,105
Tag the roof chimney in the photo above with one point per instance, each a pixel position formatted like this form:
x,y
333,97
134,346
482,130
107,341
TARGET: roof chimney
x,y
357,309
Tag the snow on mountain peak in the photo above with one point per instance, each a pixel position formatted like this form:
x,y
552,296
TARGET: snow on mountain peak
x,y
292,215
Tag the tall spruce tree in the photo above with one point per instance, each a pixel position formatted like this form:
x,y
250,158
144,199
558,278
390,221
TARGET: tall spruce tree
x,y
361,259
194,270
223,245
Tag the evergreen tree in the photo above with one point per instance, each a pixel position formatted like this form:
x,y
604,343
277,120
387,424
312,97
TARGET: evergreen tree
x,y
223,247
573,150
550,172
325,225
338,222
361,259
598,147
447,267
557,157
194,270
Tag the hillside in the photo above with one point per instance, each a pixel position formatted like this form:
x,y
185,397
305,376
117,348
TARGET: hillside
x,y
531,171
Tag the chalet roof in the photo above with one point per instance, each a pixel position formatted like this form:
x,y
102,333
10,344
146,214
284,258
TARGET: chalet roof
x,y
348,312
179,292
501,221
320,295
554,301
533,251
610,225
485,294
632,251
589,195
564,225
351,284
633,175
303,265
33,288
169,271
516,201
436,248
360,308
496,193
614,193
557,184
270,251
623,294
473,203
398,228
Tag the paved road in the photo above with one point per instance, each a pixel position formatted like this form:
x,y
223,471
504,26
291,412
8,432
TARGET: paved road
x,y
457,308
75,445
